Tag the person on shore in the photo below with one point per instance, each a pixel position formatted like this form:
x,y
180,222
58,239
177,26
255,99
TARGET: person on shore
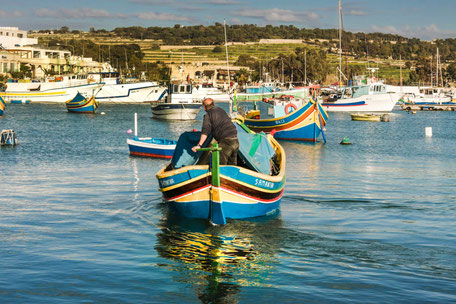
x,y
217,122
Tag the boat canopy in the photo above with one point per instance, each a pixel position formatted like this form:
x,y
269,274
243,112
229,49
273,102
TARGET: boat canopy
x,y
255,150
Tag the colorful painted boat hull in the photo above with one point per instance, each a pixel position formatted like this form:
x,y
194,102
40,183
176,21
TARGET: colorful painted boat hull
x,y
79,104
304,124
2,106
151,147
243,193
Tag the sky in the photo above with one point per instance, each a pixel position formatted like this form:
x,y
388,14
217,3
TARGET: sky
x,y
423,19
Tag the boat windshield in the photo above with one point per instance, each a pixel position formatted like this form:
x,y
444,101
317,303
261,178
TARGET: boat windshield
x,y
360,91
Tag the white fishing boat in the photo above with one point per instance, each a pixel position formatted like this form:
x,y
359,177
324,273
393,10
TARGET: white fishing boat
x,y
368,98
429,95
52,89
207,90
179,103
117,90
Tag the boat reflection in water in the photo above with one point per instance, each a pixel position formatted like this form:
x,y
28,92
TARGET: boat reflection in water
x,y
219,260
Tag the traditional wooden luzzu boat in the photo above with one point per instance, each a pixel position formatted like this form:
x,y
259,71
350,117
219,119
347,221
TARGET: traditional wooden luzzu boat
x,y
2,105
254,187
288,118
79,104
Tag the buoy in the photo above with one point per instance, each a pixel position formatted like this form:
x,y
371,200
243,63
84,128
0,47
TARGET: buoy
x,y
102,113
413,112
129,131
345,141
428,131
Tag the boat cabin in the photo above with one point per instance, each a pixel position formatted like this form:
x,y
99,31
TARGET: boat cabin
x,y
278,107
180,93
358,91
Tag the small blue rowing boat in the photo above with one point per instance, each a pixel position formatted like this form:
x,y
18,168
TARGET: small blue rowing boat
x,y
150,147
79,104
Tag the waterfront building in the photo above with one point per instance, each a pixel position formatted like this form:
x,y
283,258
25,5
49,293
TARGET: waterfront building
x,y
17,50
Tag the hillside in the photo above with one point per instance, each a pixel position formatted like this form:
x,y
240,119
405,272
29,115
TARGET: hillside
x,y
156,52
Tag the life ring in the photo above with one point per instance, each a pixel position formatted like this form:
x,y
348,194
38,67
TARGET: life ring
x,y
290,105
91,78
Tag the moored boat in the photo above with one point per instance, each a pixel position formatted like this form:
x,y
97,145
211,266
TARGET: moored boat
x,y
179,104
80,104
367,98
366,117
288,118
254,187
120,90
150,147
52,89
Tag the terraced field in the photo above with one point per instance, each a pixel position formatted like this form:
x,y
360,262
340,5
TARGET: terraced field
x,y
156,52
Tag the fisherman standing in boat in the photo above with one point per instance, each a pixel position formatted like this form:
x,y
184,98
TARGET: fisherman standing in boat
x,y
219,124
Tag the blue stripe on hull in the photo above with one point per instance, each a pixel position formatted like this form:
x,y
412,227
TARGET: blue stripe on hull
x,y
233,210
307,133
350,104
151,151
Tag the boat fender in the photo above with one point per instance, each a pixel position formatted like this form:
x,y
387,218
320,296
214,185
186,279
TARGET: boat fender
x,y
288,106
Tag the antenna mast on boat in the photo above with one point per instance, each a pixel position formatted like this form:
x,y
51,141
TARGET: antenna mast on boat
x,y
437,62
226,50
340,43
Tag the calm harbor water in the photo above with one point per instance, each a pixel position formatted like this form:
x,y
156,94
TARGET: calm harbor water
x,y
82,222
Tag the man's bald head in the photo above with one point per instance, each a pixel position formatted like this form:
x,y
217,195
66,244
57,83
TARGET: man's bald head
x,y
208,103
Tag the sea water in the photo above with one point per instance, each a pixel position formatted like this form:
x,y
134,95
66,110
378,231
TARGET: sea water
x,y
83,222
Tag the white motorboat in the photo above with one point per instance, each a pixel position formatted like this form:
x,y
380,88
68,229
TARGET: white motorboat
x,y
207,90
368,98
117,90
52,89
179,103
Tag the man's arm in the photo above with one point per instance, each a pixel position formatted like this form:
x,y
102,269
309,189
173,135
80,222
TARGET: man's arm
x,y
201,141
205,129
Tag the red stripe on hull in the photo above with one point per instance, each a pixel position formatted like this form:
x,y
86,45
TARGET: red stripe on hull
x,y
150,155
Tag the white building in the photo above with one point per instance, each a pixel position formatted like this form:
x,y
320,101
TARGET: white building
x,y
17,50
11,37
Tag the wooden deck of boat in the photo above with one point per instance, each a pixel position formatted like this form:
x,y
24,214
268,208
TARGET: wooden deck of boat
x,y
428,107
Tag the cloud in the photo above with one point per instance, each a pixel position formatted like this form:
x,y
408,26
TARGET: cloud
x,y
218,2
6,14
155,2
63,13
427,32
356,13
279,15
163,17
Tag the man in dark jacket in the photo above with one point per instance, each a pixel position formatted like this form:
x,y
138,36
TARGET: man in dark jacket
x,y
219,124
